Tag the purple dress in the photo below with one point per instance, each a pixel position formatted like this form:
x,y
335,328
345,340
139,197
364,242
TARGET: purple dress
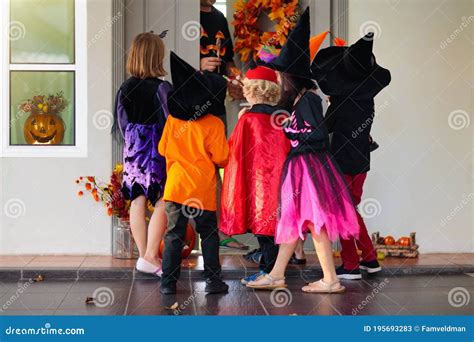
x,y
141,113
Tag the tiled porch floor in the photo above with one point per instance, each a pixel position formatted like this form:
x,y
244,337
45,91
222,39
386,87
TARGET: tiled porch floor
x,y
414,295
229,261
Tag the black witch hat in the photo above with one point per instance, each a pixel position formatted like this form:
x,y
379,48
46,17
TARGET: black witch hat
x,y
353,70
194,93
294,55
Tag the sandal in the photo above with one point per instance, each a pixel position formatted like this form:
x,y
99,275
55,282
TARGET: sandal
x,y
147,267
267,282
228,241
321,286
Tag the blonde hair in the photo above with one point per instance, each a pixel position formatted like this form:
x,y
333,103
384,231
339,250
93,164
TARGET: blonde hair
x,y
261,91
146,56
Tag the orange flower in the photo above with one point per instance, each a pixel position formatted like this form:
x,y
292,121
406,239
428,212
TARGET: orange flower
x,y
91,179
88,186
80,193
94,191
109,211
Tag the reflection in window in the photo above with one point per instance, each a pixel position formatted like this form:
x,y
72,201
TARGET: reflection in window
x,y
45,31
42,108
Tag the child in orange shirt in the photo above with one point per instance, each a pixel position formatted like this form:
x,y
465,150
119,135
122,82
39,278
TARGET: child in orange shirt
x,y
193,144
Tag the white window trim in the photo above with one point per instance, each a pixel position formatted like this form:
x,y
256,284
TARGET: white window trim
x,y
81,103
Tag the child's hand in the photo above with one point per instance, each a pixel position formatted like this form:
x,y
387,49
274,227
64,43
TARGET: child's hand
x,y
210,63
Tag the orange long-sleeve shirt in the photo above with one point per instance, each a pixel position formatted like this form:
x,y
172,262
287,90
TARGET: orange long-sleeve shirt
x,y
192,150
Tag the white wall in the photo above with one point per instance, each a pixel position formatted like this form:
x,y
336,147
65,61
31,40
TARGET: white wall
x,y
54,220
422,174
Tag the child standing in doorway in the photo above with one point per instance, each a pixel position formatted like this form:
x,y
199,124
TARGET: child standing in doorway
x,y
140,115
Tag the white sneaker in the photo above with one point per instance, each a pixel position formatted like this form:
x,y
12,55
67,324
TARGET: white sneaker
x,y
147,267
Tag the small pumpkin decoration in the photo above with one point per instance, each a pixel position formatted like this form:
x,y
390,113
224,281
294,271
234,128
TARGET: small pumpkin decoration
x,y
389,240
44,126
404,241
189,242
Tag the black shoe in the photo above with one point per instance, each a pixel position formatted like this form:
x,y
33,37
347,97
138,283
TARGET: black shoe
x,y
295,261
168,289
215,285
342,273
370,266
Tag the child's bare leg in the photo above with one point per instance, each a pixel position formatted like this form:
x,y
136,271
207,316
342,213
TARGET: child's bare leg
x,y
156,230
284,255
299,251
138,223
323,247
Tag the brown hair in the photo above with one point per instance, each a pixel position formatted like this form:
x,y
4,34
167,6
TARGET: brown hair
x,y
146,55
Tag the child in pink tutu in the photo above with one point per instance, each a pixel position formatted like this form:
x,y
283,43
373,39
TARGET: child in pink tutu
x,y
313,195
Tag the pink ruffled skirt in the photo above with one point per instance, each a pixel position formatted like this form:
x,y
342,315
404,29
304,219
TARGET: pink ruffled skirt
x,y
313,191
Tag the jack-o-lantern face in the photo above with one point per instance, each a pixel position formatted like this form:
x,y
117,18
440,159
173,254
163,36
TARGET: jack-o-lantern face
x,y
44,129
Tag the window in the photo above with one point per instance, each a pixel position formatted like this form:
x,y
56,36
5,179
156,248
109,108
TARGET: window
x,y
221,5
44,78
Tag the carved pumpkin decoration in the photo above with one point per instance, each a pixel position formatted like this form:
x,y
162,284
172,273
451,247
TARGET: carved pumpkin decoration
x,y
189,242
404,241
389,240
43,129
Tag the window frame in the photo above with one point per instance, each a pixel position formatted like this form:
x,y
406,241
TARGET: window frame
x,y
80,103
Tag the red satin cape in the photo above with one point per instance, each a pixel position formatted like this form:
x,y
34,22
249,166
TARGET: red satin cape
x,y
250,190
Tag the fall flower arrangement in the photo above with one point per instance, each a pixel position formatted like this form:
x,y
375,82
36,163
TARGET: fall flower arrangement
x,y
109,194
248,36
51,104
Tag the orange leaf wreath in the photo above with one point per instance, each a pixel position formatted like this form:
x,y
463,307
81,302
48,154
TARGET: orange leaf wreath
x,y
249,38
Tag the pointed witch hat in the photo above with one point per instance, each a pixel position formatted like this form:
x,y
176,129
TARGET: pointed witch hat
x,y
294,55
194,93
353,70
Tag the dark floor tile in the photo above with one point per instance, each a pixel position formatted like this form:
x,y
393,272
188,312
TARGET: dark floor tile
x,y
238,301
91,285
31,301
107,301
29,286
146,299
20,312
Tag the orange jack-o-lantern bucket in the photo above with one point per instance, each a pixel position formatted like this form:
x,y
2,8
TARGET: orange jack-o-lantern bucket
x,y
40,128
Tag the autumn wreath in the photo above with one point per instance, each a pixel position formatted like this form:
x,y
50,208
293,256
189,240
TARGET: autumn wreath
x,y
249,37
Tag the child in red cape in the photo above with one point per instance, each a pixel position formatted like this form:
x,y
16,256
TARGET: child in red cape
x,y
258,149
